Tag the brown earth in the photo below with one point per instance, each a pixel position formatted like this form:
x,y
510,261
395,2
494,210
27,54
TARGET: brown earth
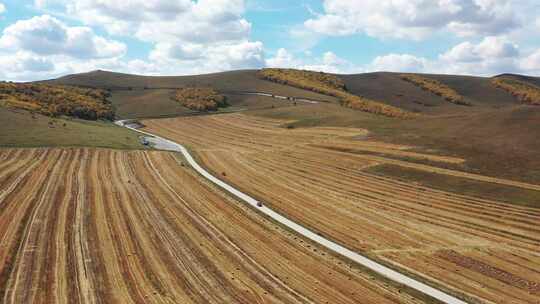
x,y
401,223
105,226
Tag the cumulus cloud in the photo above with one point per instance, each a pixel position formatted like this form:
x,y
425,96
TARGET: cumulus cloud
x,y
283,59
2,8
328,62
490,56
159,20
399,62
46,35
416,19
196,59
189,36
531,63
43,47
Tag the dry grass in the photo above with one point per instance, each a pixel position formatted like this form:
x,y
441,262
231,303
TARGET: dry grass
x,y
437,88
333,86
200,99
524,92
90,104
403,223
103,226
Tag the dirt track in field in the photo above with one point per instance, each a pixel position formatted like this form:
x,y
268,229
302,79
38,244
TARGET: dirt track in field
x,y
102,226
401,223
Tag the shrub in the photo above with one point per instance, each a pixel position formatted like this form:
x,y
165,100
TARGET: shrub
x,y
523,91
437,88
332,86
55,101
200,99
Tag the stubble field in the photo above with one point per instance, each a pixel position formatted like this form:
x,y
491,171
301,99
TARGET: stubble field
x,y
105,226
485,249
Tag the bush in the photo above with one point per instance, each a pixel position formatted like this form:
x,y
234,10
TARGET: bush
x,y
200,99
56,101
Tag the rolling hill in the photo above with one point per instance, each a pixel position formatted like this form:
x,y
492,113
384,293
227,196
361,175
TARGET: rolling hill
x,y
390,88
150,96
493,134
448,195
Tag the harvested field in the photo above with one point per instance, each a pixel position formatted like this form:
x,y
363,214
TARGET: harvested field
x,y
405,224
105,226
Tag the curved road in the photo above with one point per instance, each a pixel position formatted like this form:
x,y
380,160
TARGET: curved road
x,y
165,144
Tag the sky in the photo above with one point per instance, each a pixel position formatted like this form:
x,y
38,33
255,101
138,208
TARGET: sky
x,y
43,39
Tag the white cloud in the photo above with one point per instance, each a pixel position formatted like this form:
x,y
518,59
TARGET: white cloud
x,y
188,36
328,62
2,8
490,48
415,19
531,64
181,21
45,35
490,56
399,62
197,59
45,47
282,59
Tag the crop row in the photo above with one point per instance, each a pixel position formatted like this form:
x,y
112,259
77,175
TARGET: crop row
x,y
102,226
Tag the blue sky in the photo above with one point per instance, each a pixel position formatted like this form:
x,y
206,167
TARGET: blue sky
x,y
48,38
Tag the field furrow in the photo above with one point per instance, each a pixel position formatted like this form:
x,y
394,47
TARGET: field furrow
x,y
316,177
104,226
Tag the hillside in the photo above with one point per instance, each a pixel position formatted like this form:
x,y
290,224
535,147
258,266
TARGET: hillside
x,y
55,100
331,85
151,96
397,92
23,129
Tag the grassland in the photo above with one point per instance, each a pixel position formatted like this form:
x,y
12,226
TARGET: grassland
x,y
51,100
523,91
200,99
22,129
482,247
333,86
108,226
437,88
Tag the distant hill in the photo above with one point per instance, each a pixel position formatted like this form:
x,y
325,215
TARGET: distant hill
x,y
150,96
497,134
389,87
530,79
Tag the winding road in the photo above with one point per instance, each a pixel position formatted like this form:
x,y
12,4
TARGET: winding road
x,y
168,145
